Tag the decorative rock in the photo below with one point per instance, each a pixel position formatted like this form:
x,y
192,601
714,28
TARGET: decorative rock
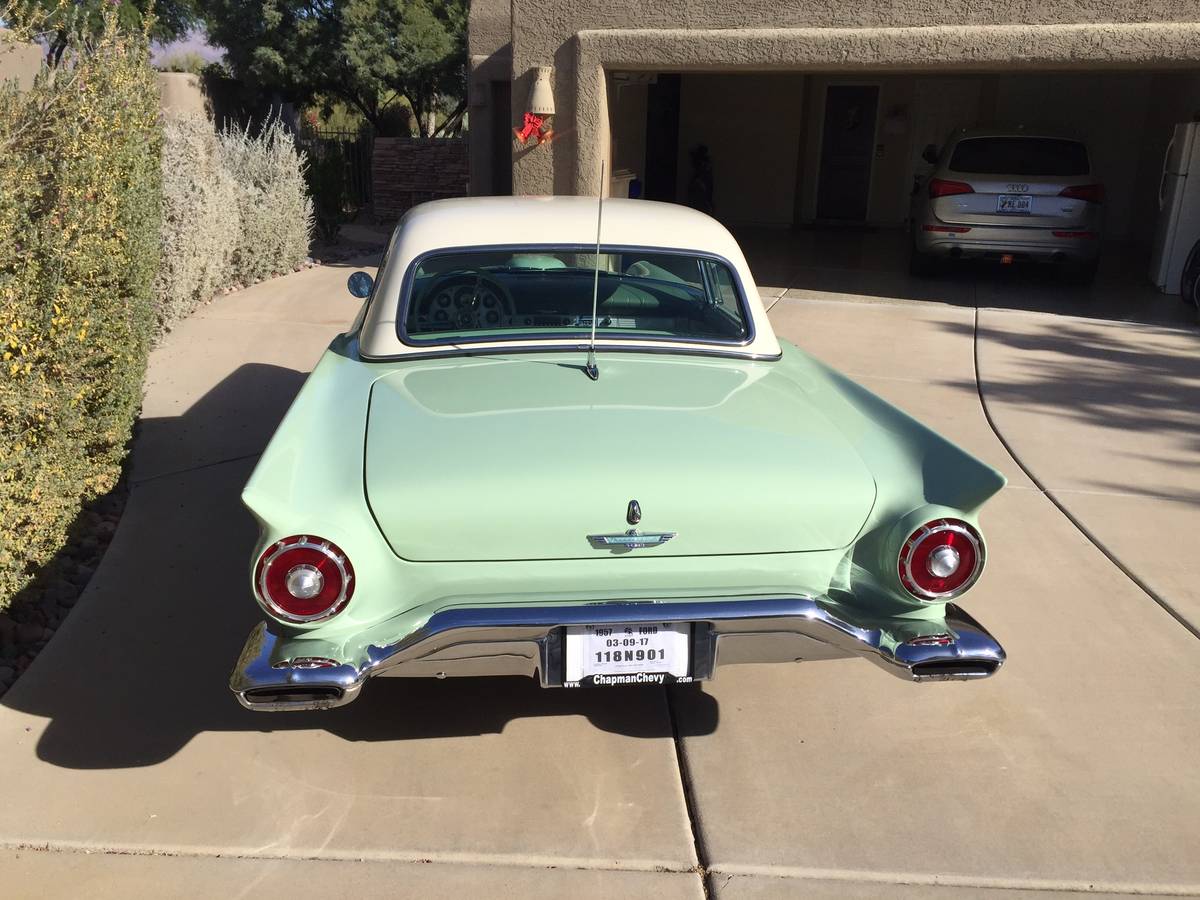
x,y
7,675
28,632
8,628
82,575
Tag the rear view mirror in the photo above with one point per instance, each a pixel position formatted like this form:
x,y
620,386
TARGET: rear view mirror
x,y
360,284
930,154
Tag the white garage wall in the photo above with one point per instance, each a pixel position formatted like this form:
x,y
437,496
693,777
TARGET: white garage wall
x,y
751,125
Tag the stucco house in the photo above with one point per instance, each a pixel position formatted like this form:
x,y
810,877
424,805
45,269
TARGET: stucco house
x,y
19,62
816,110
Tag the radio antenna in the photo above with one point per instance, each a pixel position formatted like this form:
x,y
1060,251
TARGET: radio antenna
x,y
592,370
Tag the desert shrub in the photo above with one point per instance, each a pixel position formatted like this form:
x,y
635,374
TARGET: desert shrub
x,y
184,61
80,185
275,210
201,224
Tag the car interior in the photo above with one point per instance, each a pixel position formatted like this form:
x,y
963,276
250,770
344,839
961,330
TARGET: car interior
x,y
475,295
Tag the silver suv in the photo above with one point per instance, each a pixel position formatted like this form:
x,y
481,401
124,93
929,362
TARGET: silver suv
x,y
1008,196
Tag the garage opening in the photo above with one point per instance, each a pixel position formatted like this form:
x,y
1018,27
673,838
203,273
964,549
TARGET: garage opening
x,y
828,169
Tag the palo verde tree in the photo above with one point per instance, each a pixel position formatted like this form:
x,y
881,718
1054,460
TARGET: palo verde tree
x,y
369,53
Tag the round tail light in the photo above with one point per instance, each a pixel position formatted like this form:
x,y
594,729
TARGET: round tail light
x,y
304,579
941,559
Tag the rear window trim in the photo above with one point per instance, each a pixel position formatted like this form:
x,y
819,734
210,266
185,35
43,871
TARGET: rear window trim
x,y
1087,154
574,338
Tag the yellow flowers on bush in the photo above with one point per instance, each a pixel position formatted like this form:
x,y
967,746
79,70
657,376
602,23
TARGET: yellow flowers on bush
x,y
80,187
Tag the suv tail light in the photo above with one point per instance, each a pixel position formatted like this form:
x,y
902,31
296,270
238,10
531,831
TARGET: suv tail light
x,y
304,579
941,559
940,187
1092,193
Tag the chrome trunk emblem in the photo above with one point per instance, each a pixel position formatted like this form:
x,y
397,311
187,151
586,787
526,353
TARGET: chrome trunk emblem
x,y
631,539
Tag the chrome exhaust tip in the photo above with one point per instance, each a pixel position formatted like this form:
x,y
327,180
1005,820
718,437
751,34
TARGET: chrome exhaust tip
x,y
954,669
313,696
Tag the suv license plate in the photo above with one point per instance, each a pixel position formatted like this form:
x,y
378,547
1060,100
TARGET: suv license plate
x,y
638,653
1014,203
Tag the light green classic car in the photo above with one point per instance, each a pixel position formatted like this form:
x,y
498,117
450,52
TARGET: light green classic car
x,y
461,488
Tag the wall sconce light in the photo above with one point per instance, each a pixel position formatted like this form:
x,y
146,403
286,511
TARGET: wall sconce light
x,y
541,95
536,123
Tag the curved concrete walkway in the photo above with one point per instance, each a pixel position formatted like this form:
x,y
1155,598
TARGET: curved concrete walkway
x,y
1073,770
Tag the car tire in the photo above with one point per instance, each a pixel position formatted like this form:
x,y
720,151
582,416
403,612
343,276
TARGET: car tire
x,y
1189,284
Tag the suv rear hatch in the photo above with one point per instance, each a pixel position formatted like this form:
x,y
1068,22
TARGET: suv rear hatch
x,y
1016,180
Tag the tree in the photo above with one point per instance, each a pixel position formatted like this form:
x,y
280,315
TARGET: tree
x,y
57,22
172,18
369,53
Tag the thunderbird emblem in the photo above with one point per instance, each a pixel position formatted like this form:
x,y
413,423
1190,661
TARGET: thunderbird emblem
x,y
631,539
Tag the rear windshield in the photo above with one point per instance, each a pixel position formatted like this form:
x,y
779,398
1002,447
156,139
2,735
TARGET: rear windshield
x,y
1020,156
510,294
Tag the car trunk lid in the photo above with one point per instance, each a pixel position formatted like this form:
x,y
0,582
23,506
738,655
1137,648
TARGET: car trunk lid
x,y
524,457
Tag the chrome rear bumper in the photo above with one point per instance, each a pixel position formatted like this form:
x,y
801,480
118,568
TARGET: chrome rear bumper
x,y
272,675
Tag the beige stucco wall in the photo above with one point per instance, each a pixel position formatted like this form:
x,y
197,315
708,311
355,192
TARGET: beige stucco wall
x,y
18,61
585,40
181,92
489,35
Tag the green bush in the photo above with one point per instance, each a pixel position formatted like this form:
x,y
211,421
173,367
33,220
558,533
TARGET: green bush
x,y
201,223
80,185
274,207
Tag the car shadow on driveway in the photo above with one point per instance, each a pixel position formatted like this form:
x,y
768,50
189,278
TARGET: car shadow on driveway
x,y
142,664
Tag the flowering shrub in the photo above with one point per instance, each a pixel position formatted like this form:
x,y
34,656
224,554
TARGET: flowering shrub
x,y
275,210
201,223
79,249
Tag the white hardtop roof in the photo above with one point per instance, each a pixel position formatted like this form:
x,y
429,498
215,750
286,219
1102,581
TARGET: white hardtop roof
x,y
556,221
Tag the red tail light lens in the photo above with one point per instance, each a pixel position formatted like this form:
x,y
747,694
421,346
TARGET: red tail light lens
x,y
941,559
304,579
1092,193
940,187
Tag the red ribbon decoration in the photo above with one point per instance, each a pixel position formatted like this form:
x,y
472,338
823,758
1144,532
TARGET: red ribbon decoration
x,y
535,126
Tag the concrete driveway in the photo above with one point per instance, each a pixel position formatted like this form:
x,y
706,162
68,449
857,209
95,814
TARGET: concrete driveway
x,y
131,770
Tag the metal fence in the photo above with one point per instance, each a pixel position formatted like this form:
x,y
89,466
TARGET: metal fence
x,y
355,147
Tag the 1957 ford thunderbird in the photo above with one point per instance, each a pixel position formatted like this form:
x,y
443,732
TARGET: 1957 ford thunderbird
x,y
564,442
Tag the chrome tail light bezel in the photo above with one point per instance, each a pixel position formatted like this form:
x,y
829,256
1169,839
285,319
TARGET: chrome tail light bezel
x,y
922,534
326,548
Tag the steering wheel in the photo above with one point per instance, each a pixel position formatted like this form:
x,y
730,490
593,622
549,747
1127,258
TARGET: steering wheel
x,y
467,300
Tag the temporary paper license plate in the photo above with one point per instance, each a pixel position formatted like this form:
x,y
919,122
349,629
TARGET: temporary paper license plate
x,y
1014,203
643,653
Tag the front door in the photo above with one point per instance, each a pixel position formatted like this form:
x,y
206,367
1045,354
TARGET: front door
x,y
847,149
